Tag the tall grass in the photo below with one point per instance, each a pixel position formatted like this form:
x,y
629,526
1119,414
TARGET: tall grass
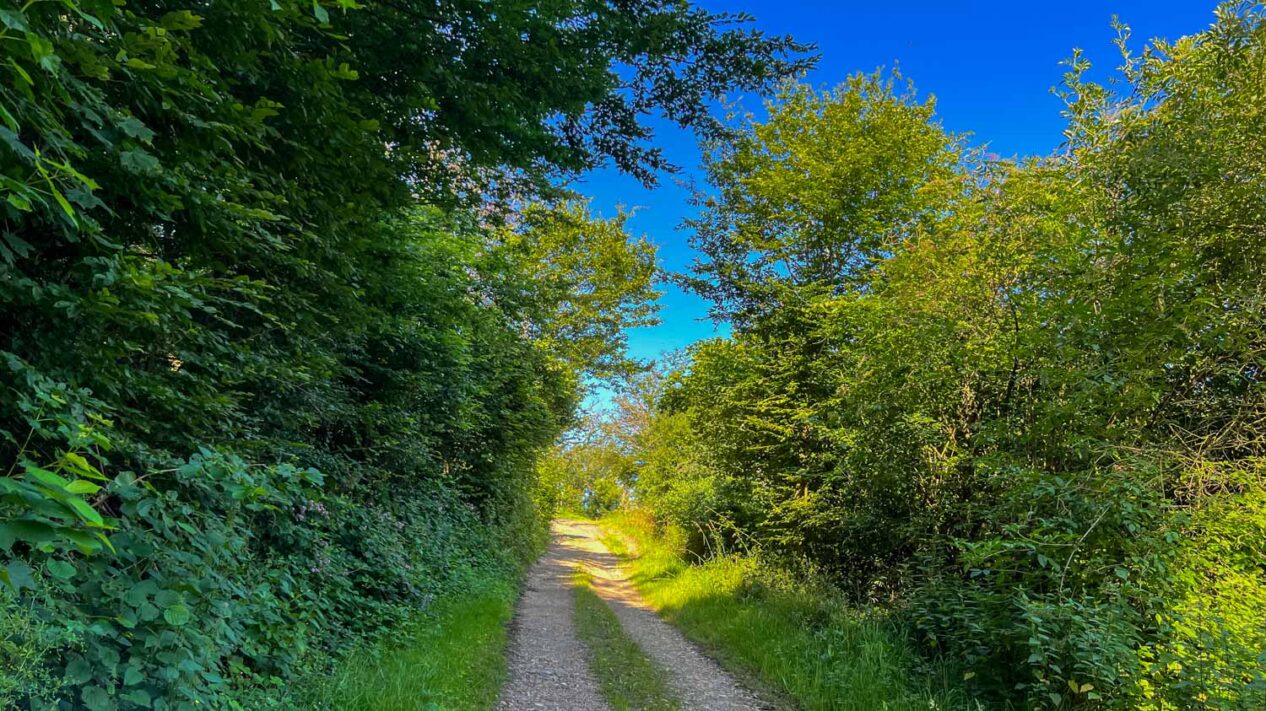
x,y
794,635
452,657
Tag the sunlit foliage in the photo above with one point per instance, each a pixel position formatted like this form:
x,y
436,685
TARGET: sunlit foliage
x,y
1021,401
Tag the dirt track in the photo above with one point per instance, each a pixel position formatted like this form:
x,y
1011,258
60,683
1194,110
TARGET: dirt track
x,y
547,662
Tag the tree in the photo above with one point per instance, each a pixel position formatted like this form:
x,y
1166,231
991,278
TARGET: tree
x,y
590,281
807,200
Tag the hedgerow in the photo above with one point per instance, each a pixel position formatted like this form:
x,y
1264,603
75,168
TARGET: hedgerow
x,y
290,300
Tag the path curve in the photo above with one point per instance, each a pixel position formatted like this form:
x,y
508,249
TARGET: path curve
x,y
547,667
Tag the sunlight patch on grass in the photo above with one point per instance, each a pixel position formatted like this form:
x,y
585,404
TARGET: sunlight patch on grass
x,y
758,621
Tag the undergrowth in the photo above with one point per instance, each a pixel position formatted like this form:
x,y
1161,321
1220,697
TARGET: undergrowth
x,y
450,657
794,635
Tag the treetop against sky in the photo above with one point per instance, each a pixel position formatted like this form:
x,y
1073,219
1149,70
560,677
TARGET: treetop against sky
x,y
990,64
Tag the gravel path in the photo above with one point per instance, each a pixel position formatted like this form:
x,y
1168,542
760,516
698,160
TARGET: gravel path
x,y
547,662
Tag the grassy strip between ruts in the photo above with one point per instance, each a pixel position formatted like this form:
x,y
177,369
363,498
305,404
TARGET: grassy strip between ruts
x,y
759,621
628,678
452,657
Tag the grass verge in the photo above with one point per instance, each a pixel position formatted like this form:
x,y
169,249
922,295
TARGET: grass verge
x,y
629,679
795,637
451,657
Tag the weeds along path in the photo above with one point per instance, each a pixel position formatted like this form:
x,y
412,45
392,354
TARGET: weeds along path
x,y
546,661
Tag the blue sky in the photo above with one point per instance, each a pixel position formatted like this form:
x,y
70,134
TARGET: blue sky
x,y
990,65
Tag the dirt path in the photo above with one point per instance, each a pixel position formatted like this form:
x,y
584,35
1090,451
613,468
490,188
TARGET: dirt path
x,y
547,662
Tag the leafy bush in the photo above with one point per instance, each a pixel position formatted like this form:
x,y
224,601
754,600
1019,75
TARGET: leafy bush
x,y
27,648
1210,640
1054,605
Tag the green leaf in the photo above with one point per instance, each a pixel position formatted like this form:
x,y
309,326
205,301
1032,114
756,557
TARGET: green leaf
x,y
45,477
97,698
139,162
86,512
82,466
132,675
86,542
17,575
79,486
104,541
41,51
24,76
320,13
78,671
345,71
181,20
133,127
14,245
16,145
19,202
62,202
73,5
138,593
8,119
34,532
140,697
177,615
147,612
13,19
61,569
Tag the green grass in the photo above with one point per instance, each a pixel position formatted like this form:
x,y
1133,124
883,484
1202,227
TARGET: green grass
x,y
800,639
453,657
628,678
